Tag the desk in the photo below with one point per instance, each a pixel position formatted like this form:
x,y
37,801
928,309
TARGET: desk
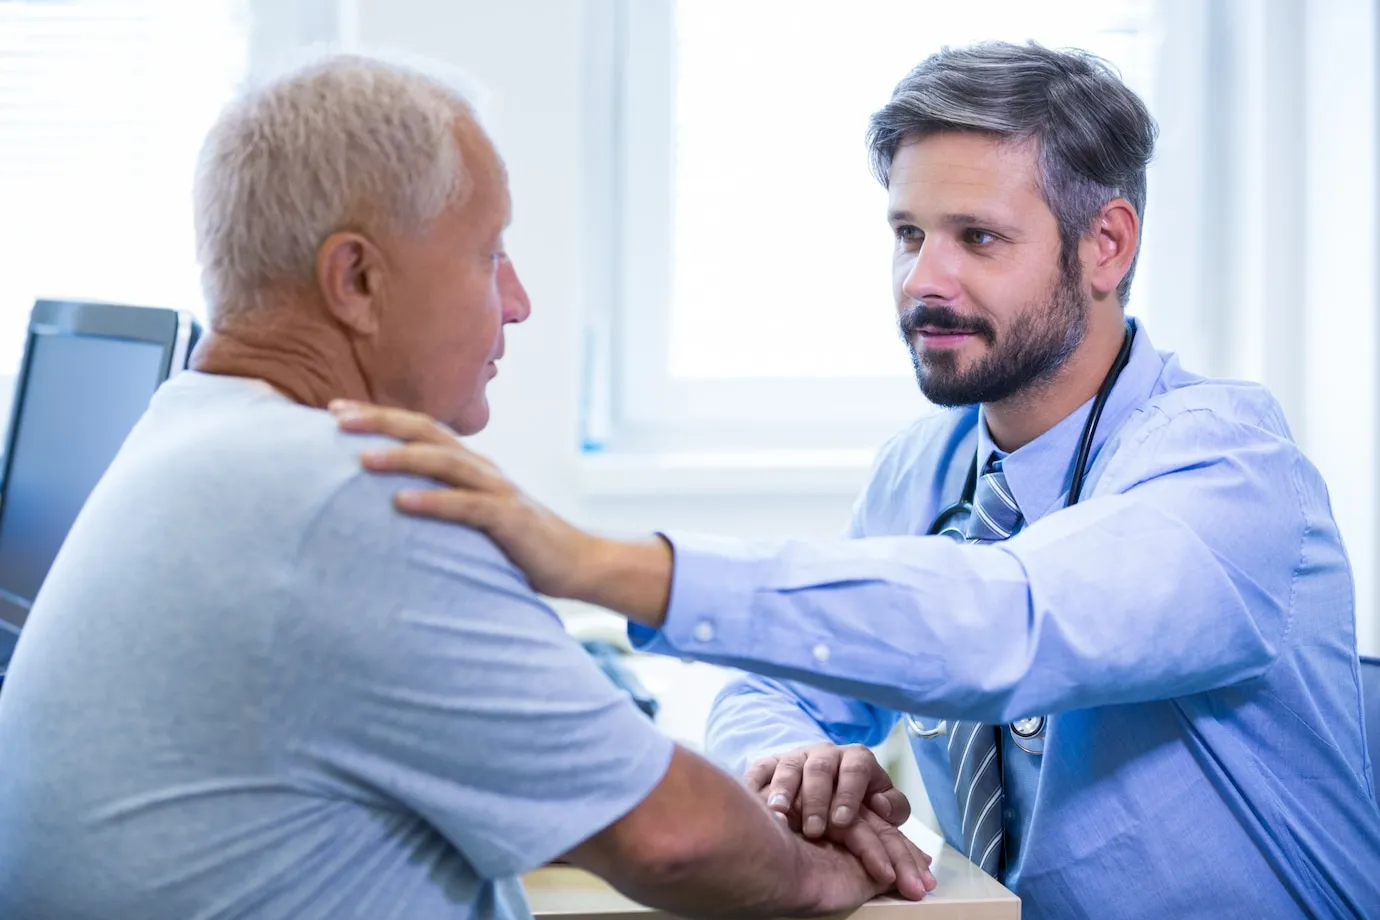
x,y
567,893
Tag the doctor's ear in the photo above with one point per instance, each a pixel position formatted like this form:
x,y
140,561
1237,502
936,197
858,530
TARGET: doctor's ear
x,y
349,274
1110,246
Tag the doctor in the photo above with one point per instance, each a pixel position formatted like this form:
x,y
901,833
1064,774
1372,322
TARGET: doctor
x,y
1106,594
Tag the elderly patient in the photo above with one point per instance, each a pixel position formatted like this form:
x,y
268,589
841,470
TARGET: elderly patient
x,y
250,689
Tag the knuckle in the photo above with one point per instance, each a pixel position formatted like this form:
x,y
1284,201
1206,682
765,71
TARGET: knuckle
x,y
856,768
404,419
785,782
787,771
448,504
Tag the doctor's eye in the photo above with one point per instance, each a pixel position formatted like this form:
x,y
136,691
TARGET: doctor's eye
x,y
909,234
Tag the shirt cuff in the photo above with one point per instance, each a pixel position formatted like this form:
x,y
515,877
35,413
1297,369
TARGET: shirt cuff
x,y
709,614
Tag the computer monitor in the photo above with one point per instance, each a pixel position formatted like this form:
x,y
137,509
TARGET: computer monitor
x,y
87,375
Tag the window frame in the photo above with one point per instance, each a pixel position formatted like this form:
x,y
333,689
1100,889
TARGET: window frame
x,y
630,400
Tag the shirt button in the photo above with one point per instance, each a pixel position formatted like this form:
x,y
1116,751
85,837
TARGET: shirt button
x,y
821,653
704,631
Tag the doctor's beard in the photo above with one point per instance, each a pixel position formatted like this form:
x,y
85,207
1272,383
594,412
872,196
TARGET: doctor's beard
x,y
1029,350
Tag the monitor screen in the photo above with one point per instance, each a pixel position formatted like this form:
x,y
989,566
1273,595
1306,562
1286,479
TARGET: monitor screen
x,y
81,396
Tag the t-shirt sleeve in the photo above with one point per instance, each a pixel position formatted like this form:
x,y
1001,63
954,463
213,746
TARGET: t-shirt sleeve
x,y
432,678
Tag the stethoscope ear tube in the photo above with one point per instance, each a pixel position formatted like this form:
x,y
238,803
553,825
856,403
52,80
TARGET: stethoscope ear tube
x,y
1085,443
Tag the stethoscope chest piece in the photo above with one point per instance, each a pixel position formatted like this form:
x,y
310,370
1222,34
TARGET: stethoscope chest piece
x,y
916,729
1029,734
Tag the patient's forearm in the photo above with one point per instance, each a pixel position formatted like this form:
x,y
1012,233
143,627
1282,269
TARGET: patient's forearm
x,y
701,845
754,867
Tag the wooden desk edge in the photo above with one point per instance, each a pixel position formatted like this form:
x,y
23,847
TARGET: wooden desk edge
x,y
577,895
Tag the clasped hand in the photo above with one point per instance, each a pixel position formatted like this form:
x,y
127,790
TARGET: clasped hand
x,y
843,795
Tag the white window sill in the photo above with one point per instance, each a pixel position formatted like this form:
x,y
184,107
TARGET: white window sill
x,y
755,472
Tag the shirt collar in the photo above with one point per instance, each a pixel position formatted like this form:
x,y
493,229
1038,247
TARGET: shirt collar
x,y
1040,473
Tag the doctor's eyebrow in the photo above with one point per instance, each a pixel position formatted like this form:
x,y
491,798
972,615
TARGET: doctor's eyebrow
x,y
954,221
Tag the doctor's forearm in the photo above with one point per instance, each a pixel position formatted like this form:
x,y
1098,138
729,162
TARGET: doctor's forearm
x,y
928,625
631,578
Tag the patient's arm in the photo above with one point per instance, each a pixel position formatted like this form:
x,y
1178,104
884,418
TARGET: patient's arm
x,y
701,845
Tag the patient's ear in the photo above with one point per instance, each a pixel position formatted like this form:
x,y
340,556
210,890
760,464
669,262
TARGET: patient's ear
x,y
349,274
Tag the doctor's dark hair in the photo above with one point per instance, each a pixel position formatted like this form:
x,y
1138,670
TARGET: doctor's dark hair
x,y
1094,136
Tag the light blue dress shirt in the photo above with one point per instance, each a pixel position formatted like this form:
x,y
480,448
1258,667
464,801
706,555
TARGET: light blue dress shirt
x,y
1188,627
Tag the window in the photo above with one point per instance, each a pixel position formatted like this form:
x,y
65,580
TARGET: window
x,y
754,297
103,106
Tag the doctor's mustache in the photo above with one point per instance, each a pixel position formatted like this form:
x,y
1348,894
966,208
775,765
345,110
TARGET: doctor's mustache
x,y
925,316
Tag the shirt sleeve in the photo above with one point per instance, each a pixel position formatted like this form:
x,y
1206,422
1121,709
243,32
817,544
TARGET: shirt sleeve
x,y
1176,578
439,683
755,717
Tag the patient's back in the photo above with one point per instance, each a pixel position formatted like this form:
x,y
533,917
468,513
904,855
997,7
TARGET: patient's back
x,y
251,688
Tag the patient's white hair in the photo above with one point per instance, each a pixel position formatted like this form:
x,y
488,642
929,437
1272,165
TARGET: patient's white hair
x,y
343,143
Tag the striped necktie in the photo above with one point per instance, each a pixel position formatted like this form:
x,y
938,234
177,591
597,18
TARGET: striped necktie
x,y
973,746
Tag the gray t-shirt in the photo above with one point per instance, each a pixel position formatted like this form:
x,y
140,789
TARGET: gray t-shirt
x,y
249,688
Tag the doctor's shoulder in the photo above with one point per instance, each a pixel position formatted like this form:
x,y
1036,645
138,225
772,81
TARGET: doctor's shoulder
x,y
1212,402
1195,414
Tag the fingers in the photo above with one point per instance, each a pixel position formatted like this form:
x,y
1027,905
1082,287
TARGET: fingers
x,y
892,805
468,508
910,864
857,776
450,464
889,858
395,423
817,789
785,782
759,775
864,842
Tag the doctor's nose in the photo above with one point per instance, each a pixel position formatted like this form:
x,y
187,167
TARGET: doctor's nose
x,y
929,275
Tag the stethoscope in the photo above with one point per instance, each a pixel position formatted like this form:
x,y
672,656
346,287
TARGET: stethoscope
x,y
1029,734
